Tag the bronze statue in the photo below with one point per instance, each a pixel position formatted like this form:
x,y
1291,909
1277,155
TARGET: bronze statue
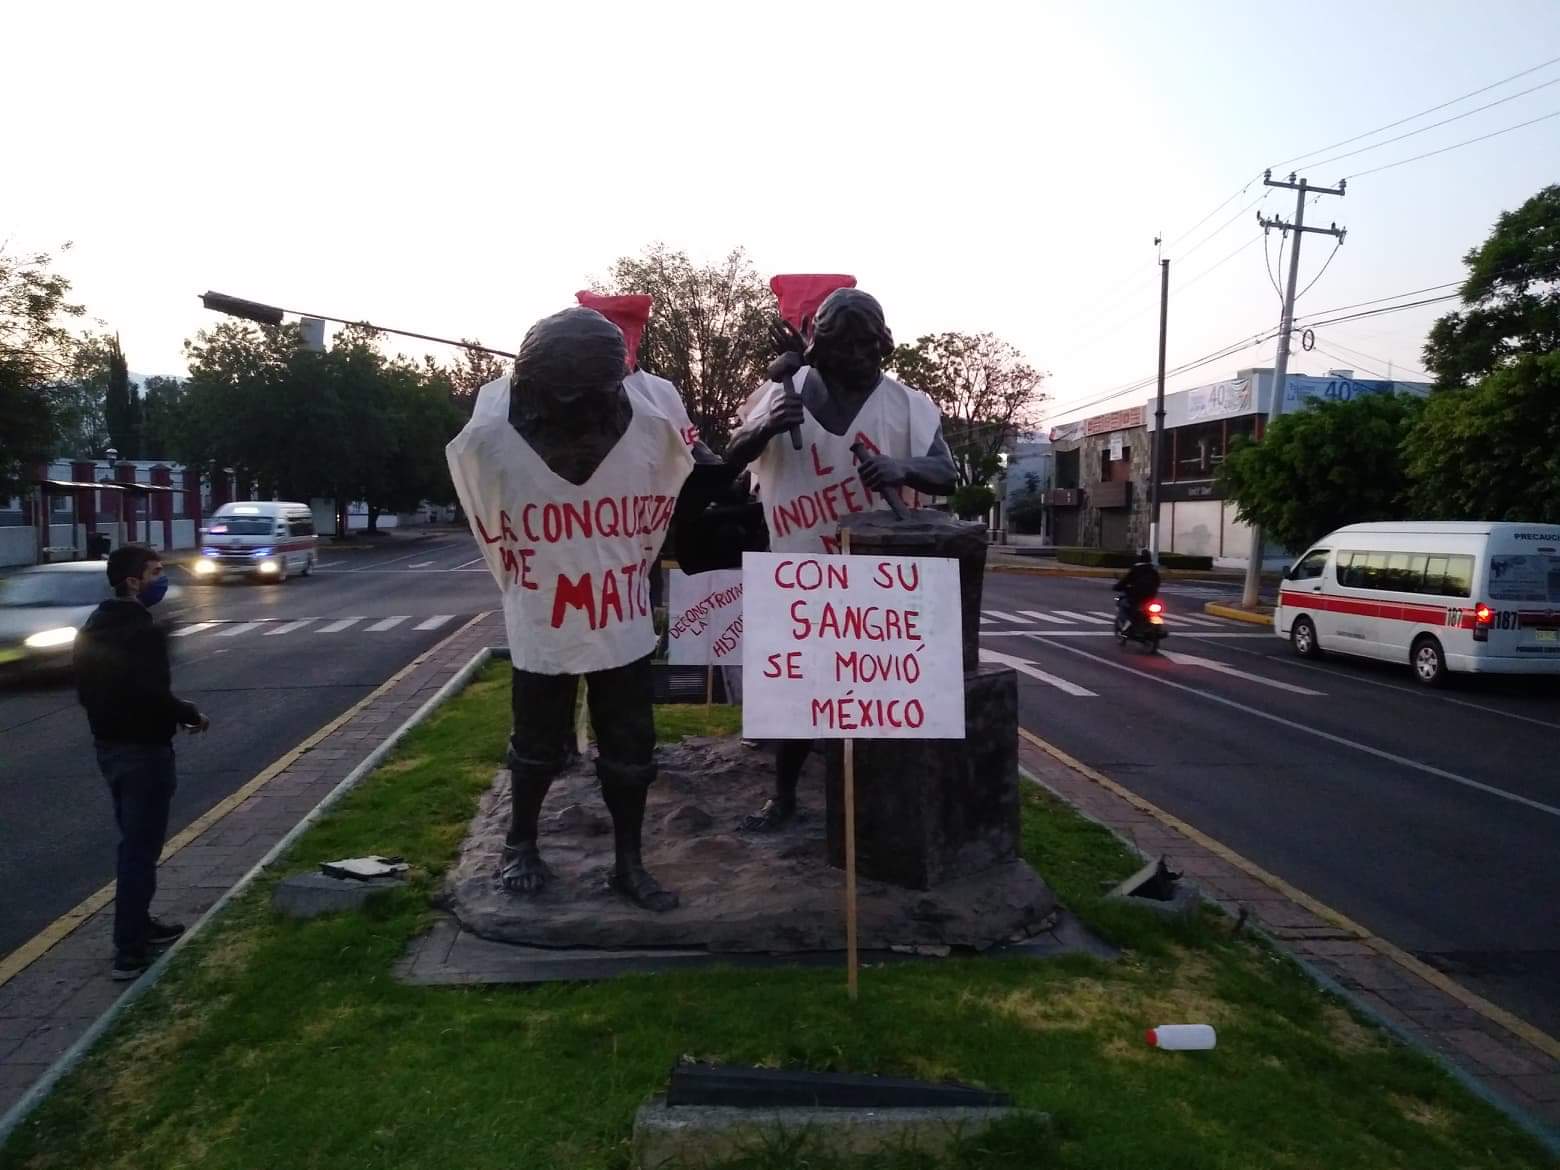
x,y
569,472
862,435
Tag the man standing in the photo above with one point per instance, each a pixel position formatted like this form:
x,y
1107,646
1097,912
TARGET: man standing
x,y
123,680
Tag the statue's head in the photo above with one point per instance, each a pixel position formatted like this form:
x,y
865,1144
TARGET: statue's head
x,y
568,359
850,340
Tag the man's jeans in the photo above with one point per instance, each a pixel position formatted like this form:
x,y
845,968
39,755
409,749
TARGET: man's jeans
x,y
141,779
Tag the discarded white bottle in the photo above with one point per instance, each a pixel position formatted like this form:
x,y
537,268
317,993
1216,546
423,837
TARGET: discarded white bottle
x,y
1182,1037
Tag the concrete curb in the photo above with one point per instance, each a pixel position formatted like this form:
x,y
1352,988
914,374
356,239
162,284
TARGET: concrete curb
x,y
73,1055
1236,614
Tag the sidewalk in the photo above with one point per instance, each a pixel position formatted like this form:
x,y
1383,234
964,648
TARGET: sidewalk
x,y
54,987
1501,1057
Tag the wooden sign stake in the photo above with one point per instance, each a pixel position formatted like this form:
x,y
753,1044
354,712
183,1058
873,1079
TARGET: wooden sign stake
x,y
851,965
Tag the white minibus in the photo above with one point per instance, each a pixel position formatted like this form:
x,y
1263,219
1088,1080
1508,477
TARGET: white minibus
x,y
1438,596
263,539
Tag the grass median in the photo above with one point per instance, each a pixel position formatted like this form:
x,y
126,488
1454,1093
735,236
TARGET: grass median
x,y
274,1043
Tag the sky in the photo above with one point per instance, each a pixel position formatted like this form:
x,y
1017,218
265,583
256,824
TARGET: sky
x,y
461,169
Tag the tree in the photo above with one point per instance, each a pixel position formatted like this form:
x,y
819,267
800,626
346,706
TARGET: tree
x,y
1331,464
162,404
1491,451
988,394
36,352
76,401
471,371
708,332
122,403
1511,299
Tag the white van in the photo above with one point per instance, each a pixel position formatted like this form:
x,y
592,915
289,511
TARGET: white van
x,y
1477,597
263,539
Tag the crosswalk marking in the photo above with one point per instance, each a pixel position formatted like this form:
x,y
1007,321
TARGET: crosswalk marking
x,y
1197,621
1210,664
1086,617
288,627
1003,616
186,631
985,621
1026,667
434,622
389,623
420,565
241,628
337,627
1046,617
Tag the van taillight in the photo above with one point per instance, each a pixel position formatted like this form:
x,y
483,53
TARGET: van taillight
x,y
1483,616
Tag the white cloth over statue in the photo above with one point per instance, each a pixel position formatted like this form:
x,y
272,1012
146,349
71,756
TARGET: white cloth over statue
x,y
806,492
573,563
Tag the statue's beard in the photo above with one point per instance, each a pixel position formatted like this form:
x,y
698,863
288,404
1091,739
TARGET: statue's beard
x,y
852,374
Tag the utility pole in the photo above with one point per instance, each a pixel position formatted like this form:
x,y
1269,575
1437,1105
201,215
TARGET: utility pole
x,y
1286,324
1156,467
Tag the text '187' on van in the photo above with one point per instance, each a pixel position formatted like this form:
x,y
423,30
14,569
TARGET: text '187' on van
x,y
265,540
1437,596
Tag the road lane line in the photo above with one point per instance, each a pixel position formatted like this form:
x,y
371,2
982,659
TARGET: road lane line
x,y
338,626
422,552
468,564
1087,617
389,623
1515,1025
1379,753
186,631
1046,617
1024,666
288,627
985,621
420,565
241,628
66,924
434,622
1420,691
1004,616
1210,664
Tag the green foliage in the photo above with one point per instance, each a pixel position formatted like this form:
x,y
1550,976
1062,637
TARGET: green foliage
x,y
162,404
1491,451
987,392
1026,513
36,354
708,332
973,501
1330,464
345,424
1116,559
1511,299
122,404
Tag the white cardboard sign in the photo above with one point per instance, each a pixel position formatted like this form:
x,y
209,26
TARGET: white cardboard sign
x,y
704,618
843,647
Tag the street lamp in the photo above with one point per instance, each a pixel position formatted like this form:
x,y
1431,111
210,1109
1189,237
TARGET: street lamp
x,y
272,315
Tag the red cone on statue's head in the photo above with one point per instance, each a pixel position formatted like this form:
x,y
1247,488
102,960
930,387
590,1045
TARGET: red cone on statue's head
x,y
800,294
628,312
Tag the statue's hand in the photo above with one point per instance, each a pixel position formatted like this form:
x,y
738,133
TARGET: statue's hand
x,y
879,472
785,339
785,412
785,366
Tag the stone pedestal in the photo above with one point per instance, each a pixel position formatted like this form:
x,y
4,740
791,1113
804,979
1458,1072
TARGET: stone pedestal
x,y
929,811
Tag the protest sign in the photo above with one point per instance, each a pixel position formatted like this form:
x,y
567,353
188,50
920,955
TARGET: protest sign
x,y
704,618
841,646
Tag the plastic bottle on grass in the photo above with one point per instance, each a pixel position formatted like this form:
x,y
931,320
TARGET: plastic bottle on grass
x,y
1182,1037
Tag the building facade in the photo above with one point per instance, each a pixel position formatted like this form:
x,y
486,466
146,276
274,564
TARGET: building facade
x,y
1099,469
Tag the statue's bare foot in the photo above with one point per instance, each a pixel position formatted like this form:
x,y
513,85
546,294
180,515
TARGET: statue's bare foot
x,y
522,870
775,814
635,883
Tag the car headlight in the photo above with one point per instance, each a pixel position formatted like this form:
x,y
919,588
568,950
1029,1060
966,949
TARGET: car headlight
x,y
261,552
45,639
268,566
204,568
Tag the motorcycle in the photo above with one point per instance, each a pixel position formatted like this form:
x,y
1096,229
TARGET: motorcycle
x,y
1143,623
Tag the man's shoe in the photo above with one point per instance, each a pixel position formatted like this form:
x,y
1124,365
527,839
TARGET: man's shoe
x,y
129,965
161,934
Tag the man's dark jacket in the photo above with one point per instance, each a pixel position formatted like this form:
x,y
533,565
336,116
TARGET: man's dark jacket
x,y
123,679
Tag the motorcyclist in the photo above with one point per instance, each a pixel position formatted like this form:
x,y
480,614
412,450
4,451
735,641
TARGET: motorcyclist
x,y
1139,585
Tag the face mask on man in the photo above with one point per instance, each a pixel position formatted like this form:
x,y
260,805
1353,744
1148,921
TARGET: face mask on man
x,y
153,591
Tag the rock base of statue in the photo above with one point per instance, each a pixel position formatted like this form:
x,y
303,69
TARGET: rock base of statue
x,y
930,811
741,892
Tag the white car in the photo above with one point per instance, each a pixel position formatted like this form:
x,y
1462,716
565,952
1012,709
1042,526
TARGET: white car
x,y
42,608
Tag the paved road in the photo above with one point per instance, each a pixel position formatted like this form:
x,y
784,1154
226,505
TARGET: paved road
x,y
270,664
1433,818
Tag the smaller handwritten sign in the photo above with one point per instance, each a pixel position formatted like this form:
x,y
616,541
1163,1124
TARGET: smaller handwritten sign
x,y
840,647
704,618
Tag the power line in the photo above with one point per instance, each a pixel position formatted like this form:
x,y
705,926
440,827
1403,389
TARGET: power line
x,y
1267,260
1336,245
1467,142
1352,362
1238,193
1188,284
1379,300
1222,227
1435,125
1386,309
1415,117
1372,357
